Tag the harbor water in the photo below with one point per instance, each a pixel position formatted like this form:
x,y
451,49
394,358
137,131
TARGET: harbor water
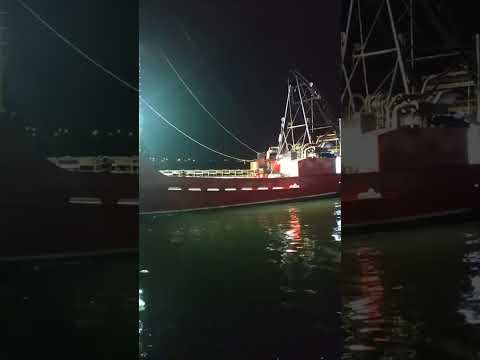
x,y
412,293
256,282
75,308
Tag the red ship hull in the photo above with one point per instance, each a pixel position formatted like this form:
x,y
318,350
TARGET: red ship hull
x,y
410,196
44,223
160,193
423,174
45,213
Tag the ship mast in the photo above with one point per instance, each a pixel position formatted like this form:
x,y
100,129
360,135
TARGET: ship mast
x,y
306,117
361,52
3,57
381,94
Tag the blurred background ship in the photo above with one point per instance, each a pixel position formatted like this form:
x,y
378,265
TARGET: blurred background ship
x,y
410,126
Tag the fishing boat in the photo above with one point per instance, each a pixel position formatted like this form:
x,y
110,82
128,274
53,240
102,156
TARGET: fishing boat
x,y
411,128
304,164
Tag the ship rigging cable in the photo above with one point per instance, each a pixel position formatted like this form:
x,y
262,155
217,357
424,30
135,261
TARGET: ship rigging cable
x,y
116,77
201,105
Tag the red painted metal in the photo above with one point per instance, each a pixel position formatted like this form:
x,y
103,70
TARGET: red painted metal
x,y
410,194
418,148
317,177
423,173
39,221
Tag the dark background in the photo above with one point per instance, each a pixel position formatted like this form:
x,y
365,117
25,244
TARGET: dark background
x,y
236,57
50,86
438,24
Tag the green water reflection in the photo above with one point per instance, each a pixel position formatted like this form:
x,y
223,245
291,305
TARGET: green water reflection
x,y
413,293
250,283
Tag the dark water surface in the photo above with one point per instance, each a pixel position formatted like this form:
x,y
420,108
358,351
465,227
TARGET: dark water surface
x,y
248,283
413,293
69,309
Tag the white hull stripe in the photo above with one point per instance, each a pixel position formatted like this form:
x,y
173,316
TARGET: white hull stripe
x,y
261,188
85,200
127,202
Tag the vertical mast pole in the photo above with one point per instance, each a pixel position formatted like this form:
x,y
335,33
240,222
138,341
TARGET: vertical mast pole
x,y
362,45
399,52
347,32
303,111
282,138
344,40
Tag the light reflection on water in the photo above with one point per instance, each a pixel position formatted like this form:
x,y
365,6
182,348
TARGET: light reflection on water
x,y
413,293
470,304
259,282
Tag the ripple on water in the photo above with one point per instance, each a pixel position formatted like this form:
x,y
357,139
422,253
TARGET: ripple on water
x,y
413,293
267,265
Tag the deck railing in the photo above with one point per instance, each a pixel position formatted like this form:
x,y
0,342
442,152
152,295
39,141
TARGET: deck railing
x,y
119,164
212,173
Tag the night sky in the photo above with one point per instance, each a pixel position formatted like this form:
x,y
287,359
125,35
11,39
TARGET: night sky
x,y
236,57
50,86
447,23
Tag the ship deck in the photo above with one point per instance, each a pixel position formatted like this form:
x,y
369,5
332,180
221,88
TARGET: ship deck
x,y
217,174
